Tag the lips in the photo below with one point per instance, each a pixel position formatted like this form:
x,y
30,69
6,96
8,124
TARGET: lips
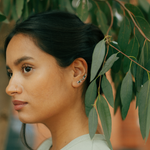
x,y
18,105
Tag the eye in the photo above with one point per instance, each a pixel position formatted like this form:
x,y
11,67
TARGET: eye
x,y
26,69
9,74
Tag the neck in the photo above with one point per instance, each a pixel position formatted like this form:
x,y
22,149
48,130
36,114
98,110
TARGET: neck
x,y
67,126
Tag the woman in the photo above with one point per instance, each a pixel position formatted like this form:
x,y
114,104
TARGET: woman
x,y
48,60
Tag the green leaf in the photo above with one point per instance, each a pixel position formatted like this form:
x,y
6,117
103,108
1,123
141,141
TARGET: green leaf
x,y
144,25
107,89
124,34
144,5
105,9
139,37
25,10
19,7
132,50
144,107
97,58
143,60
65,5
145,75
6,6
117,64
82,10
93,122
90,96
102,21
126,93
2,17
14,12
148,119
118,99
149,15
109,63
105,117
134,9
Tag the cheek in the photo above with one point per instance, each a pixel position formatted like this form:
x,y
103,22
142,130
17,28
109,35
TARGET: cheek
x,y
47,91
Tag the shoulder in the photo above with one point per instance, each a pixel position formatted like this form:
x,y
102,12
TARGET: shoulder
x,y
45,145
85,143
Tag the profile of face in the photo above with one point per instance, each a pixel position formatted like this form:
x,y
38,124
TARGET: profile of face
x,y
46,89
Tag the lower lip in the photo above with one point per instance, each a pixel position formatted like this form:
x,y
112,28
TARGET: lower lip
x,y
20,106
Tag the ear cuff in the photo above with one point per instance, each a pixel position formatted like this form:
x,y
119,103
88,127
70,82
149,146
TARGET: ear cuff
x,y
81,79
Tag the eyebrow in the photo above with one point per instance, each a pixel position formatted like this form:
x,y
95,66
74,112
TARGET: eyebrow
x,y
19,60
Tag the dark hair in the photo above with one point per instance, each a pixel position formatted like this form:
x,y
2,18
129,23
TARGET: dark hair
x,y
62,35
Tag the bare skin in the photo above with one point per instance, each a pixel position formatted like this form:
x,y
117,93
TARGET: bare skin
x,y
52,93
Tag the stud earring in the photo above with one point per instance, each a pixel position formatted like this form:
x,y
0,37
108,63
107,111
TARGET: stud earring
x,y
81,79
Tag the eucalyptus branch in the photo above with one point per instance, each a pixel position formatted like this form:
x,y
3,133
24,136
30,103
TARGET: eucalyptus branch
x,y
103,65
112,19
133,20
129,58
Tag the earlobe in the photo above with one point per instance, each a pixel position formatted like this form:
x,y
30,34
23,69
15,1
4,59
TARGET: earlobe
x,y
79,67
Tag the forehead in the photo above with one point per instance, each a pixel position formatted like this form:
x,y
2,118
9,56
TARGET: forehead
x,y
21,45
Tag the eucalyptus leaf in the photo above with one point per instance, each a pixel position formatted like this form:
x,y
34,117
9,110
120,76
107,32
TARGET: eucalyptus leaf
x,y
14,12
149,15
25,10
144,5
117,64
134,9
93,122
132,50
117,100
124,34
126,93
134,68
105,117
143,60
105,9
145,75
144,25
90,96
19,7
109,63
97,58
144,106
107,89
102,21
65,5
7,6
148,119
139,37
2,17
82,10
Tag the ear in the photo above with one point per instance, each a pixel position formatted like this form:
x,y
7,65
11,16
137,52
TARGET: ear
x,y
79,67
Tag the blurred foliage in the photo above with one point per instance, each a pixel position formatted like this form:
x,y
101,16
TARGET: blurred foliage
x,y
127,38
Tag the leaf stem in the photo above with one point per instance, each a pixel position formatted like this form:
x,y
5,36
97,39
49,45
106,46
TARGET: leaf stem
x,y
133,20
129,58
112,19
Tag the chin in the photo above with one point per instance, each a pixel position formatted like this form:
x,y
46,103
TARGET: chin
x,y
27,119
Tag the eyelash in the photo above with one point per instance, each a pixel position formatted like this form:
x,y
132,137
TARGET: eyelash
x,y
23,67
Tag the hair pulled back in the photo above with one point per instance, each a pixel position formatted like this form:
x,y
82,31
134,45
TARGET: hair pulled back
x,y
62,35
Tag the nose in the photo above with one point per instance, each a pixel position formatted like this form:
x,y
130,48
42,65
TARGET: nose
x,y
13,88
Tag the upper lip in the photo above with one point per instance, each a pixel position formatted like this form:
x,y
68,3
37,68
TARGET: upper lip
x,y
17,102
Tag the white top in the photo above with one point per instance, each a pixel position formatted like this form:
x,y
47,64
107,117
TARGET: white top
x,y
83,142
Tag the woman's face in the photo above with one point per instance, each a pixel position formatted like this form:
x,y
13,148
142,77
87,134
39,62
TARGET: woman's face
x,y
37,80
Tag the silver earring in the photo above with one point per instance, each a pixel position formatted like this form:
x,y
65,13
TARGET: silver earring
x,y
81,79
